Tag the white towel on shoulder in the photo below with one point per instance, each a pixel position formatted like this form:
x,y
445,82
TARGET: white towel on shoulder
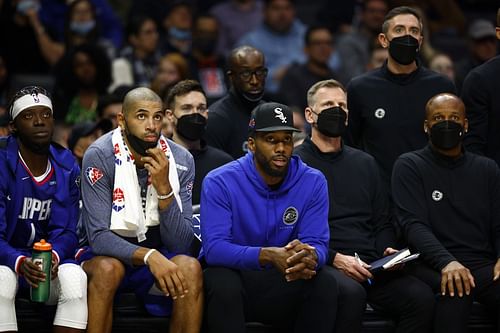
x,y
127,218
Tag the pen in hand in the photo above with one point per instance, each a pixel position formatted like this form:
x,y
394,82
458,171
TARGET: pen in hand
x,y
361,263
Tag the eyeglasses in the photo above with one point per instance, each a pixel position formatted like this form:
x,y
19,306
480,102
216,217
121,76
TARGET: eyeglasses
x,y
246,75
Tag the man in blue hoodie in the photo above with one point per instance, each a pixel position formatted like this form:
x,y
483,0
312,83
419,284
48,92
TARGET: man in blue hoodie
x,y
39,193
265,235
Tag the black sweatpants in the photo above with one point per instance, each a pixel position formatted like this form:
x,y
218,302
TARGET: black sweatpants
x,y
452,313
404,298
234,297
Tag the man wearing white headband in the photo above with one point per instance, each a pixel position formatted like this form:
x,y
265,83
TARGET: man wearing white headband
x,y
39,194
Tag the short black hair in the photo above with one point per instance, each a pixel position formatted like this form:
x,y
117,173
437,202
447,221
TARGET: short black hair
x,y
182,88
28,90
106,100
311,29
135,24
401,10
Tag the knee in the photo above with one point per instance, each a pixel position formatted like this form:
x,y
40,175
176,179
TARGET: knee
x,y
421,298
8,283
326,283
351,291
192,272
222,283
105,274
73,282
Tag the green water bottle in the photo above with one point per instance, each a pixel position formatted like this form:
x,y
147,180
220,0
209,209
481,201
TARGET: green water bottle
x,y
42,257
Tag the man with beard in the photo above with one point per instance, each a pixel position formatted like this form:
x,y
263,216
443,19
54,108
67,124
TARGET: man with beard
x,y
188,113
137,212
447,204
39,194
228,117
265,235
359,222
386,106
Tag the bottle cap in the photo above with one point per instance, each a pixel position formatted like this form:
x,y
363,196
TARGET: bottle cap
x,y
42,245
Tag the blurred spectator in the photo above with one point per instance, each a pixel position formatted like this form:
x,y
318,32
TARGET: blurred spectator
x,y
482,105
177,25
5,88
4,122
299,77
108,107
236,18
482,45
138,61
378,56
84,134
443,64
81,76
206,65
338,16
227,127
21,50
354,48
173,67
280,37
80,27
53,15
61,134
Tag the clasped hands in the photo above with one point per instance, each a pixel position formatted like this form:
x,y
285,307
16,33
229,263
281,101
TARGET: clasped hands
x,y
296,260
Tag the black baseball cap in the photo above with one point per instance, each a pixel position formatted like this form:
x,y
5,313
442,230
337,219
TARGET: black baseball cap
x,y
270,117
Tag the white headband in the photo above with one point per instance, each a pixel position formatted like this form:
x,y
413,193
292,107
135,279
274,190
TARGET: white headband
x,y
27,101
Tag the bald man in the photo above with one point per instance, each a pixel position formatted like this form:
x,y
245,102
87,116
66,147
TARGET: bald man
x,y
448,205
228,118
136,190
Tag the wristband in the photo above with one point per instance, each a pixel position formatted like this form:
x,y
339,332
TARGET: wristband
x,y
146,257
166,196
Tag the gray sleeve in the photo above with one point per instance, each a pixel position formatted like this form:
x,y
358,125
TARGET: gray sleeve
x,y
97,204
175,227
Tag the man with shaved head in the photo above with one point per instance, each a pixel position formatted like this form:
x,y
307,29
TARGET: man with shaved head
x,y
447,202
136,190
228,117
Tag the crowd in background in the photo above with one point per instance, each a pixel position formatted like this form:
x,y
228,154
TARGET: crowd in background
x,y
89,53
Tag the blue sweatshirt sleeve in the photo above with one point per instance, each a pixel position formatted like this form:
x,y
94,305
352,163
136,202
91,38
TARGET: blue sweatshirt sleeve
x,y
216,224
64,215
176,227
313,228
8,254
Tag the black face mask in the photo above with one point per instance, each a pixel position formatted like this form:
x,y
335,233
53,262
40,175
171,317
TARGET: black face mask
x,y
404,49
138,145
205,45
331,122
446,134
192,126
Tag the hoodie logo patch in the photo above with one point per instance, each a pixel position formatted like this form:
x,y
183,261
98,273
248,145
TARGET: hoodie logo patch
x,y
380,113
437,195
290,216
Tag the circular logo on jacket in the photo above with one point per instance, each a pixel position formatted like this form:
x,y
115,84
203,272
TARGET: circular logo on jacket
x,y
290,216
437,195
380,113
